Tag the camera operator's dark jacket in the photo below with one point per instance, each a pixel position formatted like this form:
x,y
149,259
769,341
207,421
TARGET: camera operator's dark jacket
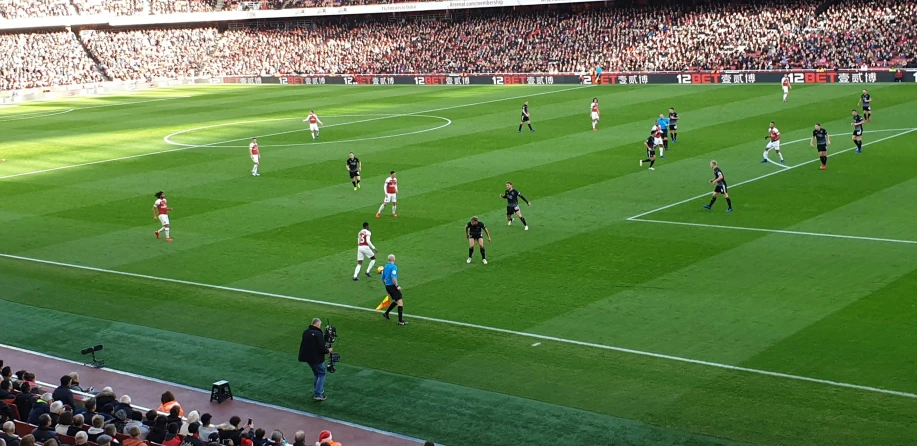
x,y
312,349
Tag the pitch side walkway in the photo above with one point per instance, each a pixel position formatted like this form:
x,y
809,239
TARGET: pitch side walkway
x,y
145,392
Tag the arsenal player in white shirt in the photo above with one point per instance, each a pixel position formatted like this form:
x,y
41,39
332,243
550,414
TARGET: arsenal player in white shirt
x,y
161,212
595,112
365,249
785,83
256,156
774,136
391,194
314,122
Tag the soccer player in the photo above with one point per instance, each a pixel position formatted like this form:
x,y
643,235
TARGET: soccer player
x,y
365,249
474,232
864,101
663,124
673,124
161,212
595,113
821,137
650,152
719,187
857,130
390,279
391,194
314,122
656,133
256,156
512,197
526,118
774,136
785,83
354,166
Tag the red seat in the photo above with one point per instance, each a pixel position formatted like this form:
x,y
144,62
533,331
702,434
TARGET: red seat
x,y
23,429
66,439
15,410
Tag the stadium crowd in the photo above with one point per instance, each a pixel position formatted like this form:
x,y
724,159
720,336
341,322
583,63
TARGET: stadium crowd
x,y
35,415
578,38
42,59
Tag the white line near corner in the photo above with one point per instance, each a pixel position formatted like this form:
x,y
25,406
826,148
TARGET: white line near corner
x,y
480,327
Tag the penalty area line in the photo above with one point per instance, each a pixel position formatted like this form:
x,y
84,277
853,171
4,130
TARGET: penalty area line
x,y
536,336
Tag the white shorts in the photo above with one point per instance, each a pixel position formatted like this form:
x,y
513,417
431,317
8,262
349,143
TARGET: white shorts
x,y
773,145
164,219
363,252
313,127
595,116
657,141
256,158
786,89
391,198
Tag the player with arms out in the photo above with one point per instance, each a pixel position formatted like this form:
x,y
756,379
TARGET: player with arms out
x,y
161,212
864,101
673,124
595,113
785,83
314,122
354,166
391,194
365,249
719,181
663,124
857,130
474,232
256,156
512,197
650,152
526,118
773,135
821,139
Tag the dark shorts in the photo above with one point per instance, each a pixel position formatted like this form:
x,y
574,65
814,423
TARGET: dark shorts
x,y
354,173
821,148
720,189
673,127
866,108
665,133
393,292
650,153
525,118
476,237
858,132
510,210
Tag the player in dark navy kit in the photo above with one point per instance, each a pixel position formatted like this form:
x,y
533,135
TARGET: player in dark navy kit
x,y
650,152
865,99
821,139
354,166
857,130
719,187
673,124
474,232
526,118
512,197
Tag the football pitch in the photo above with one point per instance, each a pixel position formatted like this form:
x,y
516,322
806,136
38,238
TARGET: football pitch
x,y
626,315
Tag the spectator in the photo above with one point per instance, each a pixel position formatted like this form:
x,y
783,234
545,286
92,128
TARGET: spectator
x,y
55,411
172,437
75,383
25,400
9,434
29,378
77,426
206,428
158,431
135,440
108,412
123,404
174,416
150,419
6,390
192,438
233,430
299,439
105,397
88,410
112,431
168,402
276,438
104,440
51,442
41,406
6,373
97,429
80,438
64,423
258,439
27,440
324,437
193,418
63,393
44,431
136,421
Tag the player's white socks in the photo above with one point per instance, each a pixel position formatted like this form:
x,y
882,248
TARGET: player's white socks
x,y
370,267
381,208
393,209
356,272
593,125
661,151
162,229
255,170
765,154
784,97
167,233
781,155
313,135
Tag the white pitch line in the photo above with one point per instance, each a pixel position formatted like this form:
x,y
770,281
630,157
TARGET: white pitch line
x,y
781,231
135,102
637,217
36,115
477,327
234,140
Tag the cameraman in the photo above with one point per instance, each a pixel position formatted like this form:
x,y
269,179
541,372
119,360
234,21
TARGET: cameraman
x,y
313,351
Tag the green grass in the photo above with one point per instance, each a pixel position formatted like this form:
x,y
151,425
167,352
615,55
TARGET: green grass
x,y
828,308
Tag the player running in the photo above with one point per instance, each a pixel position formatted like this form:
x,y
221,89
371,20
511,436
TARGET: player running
x,y
256,156
161,212
719,187
314,122
821,137
512,197
354,166
365,249
774,136
391,194
785,83
857,130
663,124
673,124
595,113
526,118
474,232
650,152
656,133
864,101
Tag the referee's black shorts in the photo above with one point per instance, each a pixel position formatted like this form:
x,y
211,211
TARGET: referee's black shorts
x,y
393,292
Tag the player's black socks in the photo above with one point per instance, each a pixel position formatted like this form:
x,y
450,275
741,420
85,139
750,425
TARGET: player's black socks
x,y
520,127
652,162
470,252
859,144
483,254
354,183
400,314
712,200
530,127
824,160
729,202
523,221
358,181
391,307
665,144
